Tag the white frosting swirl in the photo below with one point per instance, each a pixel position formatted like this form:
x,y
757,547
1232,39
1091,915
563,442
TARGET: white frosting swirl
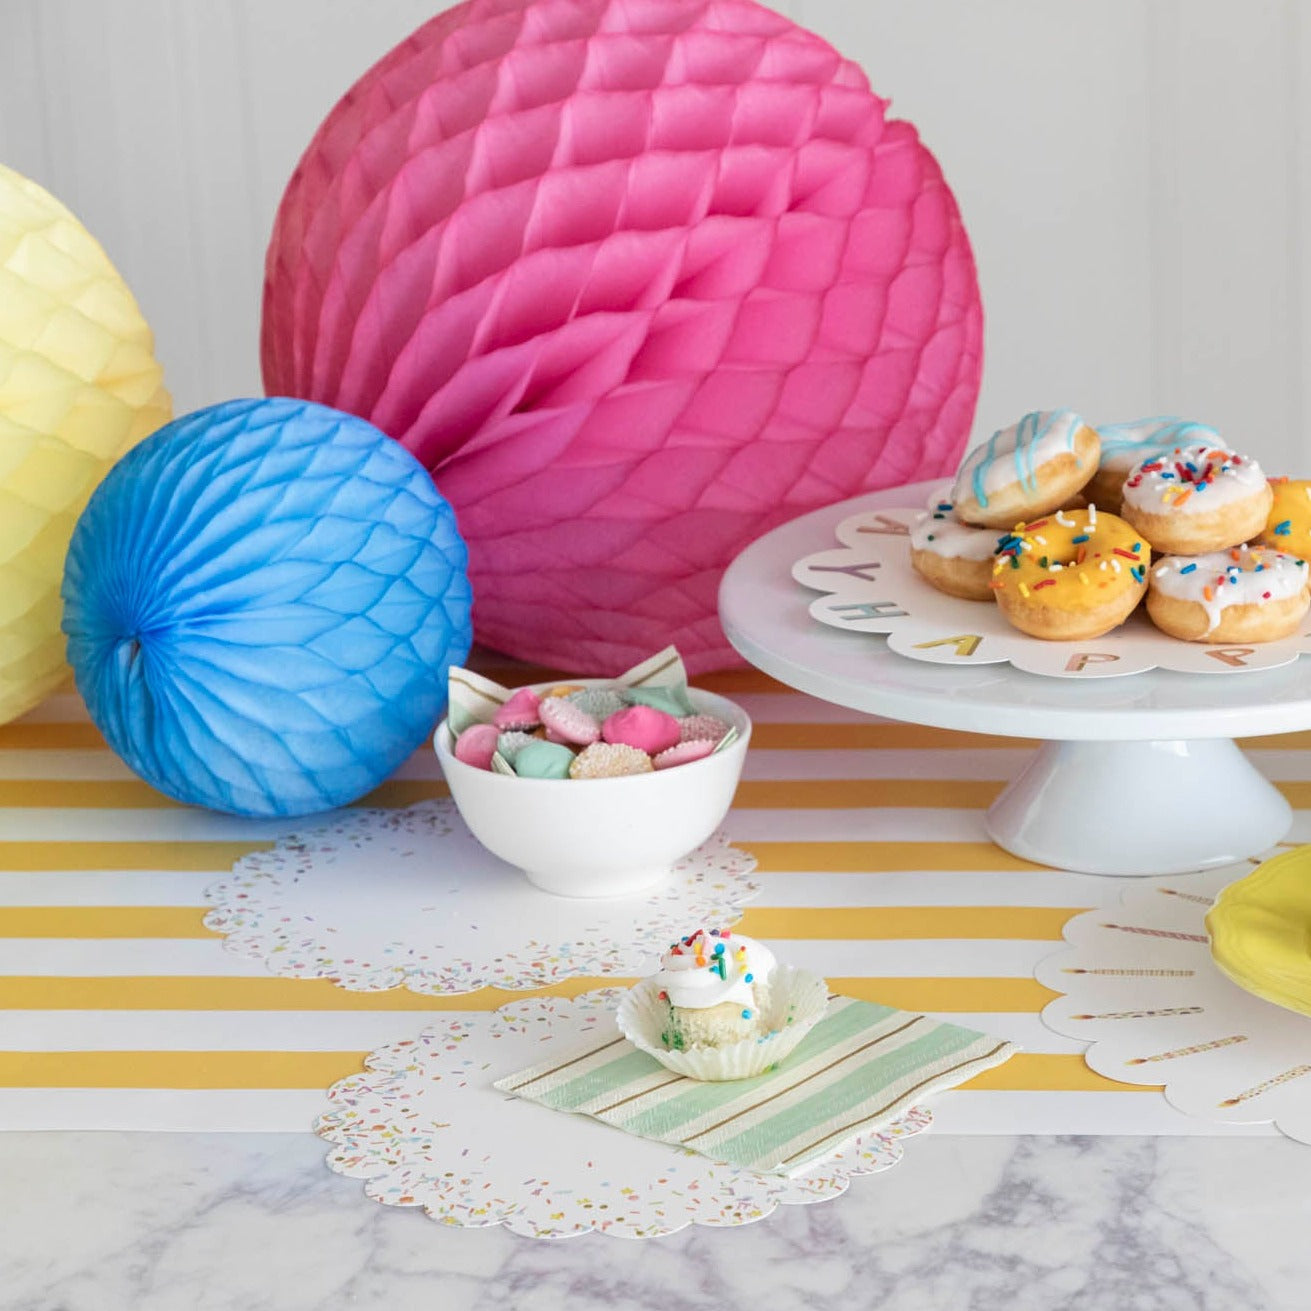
x,y
1216,580
940,532
1192,480
709,967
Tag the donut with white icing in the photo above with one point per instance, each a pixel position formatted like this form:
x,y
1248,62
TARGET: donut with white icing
x,y
1243,594
1196,499
1070,576
1125,445
1023,471
953,556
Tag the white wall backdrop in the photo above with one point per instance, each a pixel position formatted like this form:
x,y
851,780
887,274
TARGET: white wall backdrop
x,y
1135,175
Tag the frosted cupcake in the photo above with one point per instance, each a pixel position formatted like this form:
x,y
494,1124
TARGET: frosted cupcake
x,y
715,987
721,1007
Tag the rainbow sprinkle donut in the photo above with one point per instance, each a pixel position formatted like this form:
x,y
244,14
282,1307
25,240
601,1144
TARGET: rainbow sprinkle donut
x,y
1196,499
1074,575
1244,594
1125,445
953,556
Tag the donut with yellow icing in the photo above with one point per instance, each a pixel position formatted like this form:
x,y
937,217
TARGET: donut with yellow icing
x,y
1196,499
1071,576
1288,525
1026,470
952,556
1244,594
1125,445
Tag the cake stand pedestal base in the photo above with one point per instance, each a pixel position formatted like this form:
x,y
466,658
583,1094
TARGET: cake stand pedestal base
x,y
1139,808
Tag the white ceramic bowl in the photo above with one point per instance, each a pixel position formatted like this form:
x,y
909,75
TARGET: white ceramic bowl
x,y
602,837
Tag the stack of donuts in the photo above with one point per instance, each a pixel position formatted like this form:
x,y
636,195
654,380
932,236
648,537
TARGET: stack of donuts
x,y
1096,519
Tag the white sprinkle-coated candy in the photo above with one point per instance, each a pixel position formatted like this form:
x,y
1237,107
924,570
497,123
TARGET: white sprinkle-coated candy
x,y
510,744
610,760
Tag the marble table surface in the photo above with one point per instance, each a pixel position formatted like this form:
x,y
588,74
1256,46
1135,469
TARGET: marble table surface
x,y
176,1222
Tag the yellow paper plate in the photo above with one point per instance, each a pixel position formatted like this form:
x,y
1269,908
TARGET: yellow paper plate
x,y
1260,930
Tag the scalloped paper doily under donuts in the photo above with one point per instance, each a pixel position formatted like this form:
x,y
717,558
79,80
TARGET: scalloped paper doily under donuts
x,y
869,586
377,899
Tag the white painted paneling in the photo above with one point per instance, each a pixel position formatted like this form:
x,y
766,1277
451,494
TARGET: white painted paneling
x,y
1134,175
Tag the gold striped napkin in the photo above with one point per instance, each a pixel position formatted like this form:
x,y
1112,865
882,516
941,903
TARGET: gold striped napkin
x,y
854,1071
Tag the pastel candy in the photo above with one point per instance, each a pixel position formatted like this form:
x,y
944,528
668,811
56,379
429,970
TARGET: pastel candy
x,y
610,760
683,753
520,711
643,727
511,743
702,726
568,723
476,745
672,700
544,760
599,702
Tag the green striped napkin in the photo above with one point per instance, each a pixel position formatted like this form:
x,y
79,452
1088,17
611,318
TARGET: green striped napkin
x,y
854,1071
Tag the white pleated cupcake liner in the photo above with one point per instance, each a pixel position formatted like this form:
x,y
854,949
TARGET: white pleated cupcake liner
x,y
796,1002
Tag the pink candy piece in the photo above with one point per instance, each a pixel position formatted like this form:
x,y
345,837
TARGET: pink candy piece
x,y
643,727
702,726
683,753
476,745
520,711
566,723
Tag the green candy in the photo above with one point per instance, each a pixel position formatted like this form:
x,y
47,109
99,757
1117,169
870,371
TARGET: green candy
x,y
672,700
543,760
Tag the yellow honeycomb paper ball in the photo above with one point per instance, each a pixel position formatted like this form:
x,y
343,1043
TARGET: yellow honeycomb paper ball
x,y
79,385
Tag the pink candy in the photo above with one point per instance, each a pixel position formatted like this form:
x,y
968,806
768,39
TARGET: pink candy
x,y
476,745
632,739
683,753
566,723
642,727
702,726
520,711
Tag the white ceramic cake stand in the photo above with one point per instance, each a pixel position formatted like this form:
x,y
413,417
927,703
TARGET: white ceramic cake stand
x,y
1137,775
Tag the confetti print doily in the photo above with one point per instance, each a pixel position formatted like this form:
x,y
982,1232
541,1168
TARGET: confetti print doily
x,y
378,899
423,1126
1140,986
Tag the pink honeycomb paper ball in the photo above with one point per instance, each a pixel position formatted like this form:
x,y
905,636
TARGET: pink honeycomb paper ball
x,y
636,280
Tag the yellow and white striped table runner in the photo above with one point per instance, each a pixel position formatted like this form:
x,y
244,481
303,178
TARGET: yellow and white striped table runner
x,y
118,1009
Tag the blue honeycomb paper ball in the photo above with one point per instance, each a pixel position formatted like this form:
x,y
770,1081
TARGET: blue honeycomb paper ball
x,y
262,601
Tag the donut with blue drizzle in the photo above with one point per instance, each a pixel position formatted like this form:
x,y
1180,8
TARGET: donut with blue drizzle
x,y
1125,445
1029,469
